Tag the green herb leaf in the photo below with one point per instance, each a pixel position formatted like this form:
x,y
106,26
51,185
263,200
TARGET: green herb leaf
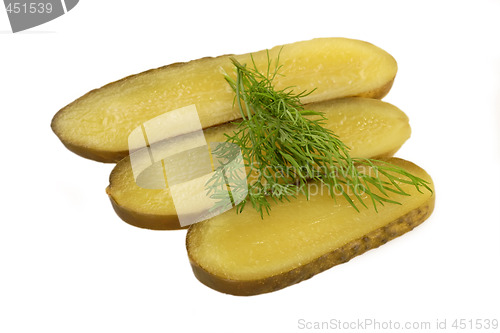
x,y
284,149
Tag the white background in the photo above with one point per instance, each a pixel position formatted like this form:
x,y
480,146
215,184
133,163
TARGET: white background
x,y
69,264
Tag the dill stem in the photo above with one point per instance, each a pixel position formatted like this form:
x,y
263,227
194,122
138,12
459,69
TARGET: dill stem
x,y
275,134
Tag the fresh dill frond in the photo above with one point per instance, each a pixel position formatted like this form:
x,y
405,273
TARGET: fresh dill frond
x,y
284,149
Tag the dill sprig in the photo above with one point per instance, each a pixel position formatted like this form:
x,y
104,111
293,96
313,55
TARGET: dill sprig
x,y
284,147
